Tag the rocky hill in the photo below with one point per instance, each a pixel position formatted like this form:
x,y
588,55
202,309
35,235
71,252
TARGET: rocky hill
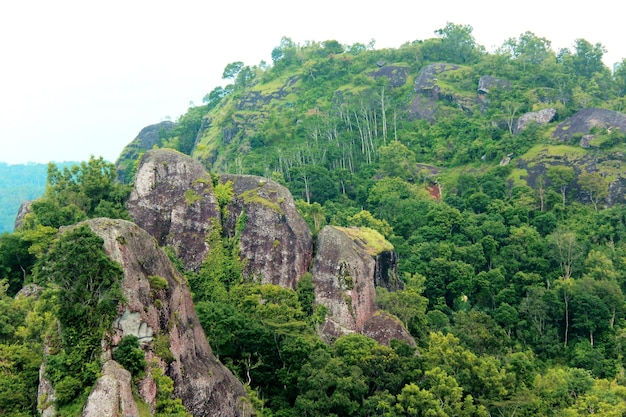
x,y
158,310
174,200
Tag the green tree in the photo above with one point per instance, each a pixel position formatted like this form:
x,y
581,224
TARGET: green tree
x,y
231,70
458,44
561,177
130,355
595,185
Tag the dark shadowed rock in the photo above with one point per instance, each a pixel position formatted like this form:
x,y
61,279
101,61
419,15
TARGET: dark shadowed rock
x,y
584,120
276,243
344,275
540,117
396,75
617,191
204,385
173,200
148,138
427,91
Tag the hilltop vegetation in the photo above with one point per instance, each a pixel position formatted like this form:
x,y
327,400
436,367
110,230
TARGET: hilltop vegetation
x,y
511,238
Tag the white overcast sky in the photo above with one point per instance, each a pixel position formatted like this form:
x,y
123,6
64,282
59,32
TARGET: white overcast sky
x,y
81,77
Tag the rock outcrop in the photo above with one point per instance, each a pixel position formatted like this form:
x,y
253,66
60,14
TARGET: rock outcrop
x,y
428,91
487,82
581,123
24,209
173,200
540,117
344,275
146,139
205,386
275,242
112,396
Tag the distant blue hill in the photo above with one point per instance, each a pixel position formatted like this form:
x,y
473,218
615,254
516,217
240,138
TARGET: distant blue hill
x,y
19,183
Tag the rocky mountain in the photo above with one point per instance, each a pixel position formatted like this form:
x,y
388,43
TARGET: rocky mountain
x,y
158,310
174,200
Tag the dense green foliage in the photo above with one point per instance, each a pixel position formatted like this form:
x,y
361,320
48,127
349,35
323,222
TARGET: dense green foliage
x,y
87,291
513,283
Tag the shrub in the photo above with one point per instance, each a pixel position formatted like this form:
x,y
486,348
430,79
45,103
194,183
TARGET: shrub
x,y
130,355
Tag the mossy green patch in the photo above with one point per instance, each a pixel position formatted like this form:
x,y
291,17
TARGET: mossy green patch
x,y
191,197
368,239
253,197
543,151
518,176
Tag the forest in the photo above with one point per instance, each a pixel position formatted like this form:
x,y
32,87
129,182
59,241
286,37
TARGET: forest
x,y
511,240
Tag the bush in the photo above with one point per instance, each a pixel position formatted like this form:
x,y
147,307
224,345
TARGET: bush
x,y
130,355
67,389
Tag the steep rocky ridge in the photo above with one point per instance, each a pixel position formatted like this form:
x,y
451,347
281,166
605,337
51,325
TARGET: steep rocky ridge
x,y
205,386
276,243
344,271
173,200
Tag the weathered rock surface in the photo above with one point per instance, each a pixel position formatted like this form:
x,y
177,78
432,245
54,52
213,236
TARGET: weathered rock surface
x,y
427,91
344,275
112,396
276,243
396,75
204,385
540,117
487,82
582,121
146,139
384,327
24,209
173,200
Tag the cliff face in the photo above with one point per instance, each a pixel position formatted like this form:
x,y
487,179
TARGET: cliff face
x,y
346,269
166,312
173,200
276,243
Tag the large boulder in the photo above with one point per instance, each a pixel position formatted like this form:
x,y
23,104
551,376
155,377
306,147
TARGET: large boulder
x,y
345,270
173,200
581,123
540,117
204,385
275,242
112,396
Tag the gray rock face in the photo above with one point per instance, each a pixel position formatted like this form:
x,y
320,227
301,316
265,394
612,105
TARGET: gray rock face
x,y
427,91
276,243
112,396
540,117
173,200
205,386
344,275
582,121
486,82
24,209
